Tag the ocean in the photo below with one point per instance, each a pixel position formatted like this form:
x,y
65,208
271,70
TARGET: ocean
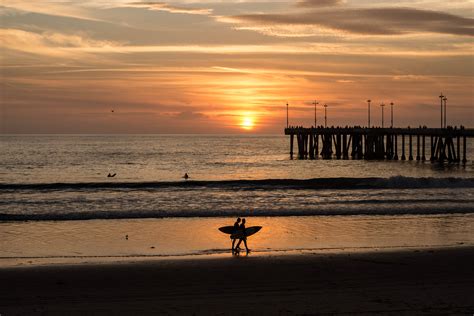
x,y
59,183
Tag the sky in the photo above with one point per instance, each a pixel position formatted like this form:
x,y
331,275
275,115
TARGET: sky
x,y
225,66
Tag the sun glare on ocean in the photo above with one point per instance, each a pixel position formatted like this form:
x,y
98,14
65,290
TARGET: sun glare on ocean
x,y
247,123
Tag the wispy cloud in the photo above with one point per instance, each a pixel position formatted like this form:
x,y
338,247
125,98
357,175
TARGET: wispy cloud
x,y
189,115
52,8
317,3
86,10
56,44
276,49
162,6
362,21
51,44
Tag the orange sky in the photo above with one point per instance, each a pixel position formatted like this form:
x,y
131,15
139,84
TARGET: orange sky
x,y
231,66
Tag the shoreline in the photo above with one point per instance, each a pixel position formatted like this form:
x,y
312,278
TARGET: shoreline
x,y
59,261
35,243
432,280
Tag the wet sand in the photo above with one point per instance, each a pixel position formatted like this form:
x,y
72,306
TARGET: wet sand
x,y
411,281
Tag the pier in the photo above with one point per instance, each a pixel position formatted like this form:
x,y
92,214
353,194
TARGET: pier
x,y
435,144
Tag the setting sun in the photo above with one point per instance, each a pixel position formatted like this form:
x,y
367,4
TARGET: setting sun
x,y
247,123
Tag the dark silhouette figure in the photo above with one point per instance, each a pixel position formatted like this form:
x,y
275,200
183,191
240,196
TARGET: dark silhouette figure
x,y
236,229
186,177
111,175
243,238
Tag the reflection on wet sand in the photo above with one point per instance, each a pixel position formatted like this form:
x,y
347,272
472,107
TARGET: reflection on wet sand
x,y
104,240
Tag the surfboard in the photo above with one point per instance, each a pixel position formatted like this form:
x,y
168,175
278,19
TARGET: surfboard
x,y
249,231
227,229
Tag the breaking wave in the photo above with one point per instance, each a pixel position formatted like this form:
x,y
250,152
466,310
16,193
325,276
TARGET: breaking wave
x,y
140,214
397,182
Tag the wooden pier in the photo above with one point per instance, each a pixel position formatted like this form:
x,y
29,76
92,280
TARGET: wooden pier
x,y
444,144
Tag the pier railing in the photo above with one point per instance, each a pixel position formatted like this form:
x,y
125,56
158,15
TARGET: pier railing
x,y
380,143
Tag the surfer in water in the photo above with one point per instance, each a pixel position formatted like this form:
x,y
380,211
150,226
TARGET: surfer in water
x,y
186,176
243,238
236,229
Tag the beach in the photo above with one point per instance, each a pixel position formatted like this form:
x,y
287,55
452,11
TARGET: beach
x,y
404,281
338,236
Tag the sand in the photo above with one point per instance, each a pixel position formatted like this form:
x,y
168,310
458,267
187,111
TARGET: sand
x,y
396,282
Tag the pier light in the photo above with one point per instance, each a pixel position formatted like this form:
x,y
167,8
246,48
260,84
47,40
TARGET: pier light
x,y
441,98
368,103
325,115
382,106
315,116
287,121
445,99
391,114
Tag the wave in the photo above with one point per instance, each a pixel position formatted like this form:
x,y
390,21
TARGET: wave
x,y
108,215
397,182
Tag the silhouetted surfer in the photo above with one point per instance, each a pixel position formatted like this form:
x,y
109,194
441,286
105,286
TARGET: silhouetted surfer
x,y
243,238
186,177
236,229
111,175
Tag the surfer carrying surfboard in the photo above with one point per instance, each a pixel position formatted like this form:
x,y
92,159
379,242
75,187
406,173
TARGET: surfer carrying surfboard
x,y
240,232
236,229
243,237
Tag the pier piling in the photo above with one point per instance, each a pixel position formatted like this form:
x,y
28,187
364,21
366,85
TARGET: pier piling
x,y
345,147
418,157
423,157
396,148
464,160
292,137
403,148
458,144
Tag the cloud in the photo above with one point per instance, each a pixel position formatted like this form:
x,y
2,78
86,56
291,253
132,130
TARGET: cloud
x,y
78,45
85,10
161,6
361,21
52,8
189,115
318,3
49,43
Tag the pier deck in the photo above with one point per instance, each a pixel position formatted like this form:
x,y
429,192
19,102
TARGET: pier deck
x,y
380,143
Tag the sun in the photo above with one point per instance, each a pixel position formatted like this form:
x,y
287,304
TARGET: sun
x,y
247,123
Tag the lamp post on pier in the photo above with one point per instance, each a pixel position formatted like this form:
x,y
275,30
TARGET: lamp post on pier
x,y
382,106
445,99
315,116
368,103
391,114
441,98
325,115
287,122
